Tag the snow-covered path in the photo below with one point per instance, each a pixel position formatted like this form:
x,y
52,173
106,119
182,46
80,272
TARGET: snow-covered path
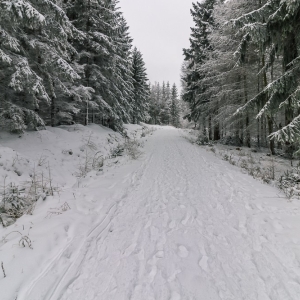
x,y
188,226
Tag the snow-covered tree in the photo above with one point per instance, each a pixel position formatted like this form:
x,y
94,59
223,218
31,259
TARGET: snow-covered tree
x,y
104,58
154,103
274,27
35,55
141,88
195,87
175,107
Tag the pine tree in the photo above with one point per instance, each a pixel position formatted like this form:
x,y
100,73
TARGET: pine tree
x,y
168,101
141,88
155,100
32,31
175,107
274,27
105,58
195,91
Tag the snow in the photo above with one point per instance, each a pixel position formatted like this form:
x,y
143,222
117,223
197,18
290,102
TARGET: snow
x,y
177,223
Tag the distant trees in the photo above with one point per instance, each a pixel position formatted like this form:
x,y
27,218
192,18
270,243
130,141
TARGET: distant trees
x,y
174,107
245,86
141,90
68,61
165,105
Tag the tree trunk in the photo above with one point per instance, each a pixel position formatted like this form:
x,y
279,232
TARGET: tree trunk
x,y
270,128
53,102
52,114
216,132
248,137
209,128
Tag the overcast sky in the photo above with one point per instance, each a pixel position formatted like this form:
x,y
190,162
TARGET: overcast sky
x,y
160,29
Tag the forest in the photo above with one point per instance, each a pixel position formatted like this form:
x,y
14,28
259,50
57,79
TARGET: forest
x,y
122,178
241,72
66,62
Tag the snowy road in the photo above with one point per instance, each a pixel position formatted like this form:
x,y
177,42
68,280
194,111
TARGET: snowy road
x,y
190,226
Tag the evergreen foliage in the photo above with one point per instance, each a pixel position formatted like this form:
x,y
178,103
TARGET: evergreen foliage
x,y
241,76
174,108
165,105
35,54
141,88
67,61
196,55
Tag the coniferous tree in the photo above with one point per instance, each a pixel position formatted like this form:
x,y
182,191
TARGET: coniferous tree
x,y
60,60
250,73
175,107
195,86
141,88
32,31
273,27
168,103
104,57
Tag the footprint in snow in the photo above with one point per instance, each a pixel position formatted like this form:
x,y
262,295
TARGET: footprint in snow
x,y
148,224
175,296
160,254
203,263
174,275
172,224
248,206
183,252
129,250
152,274
185,220
277,225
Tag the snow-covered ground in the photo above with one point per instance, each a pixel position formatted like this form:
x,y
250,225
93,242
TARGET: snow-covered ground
x,y
177,223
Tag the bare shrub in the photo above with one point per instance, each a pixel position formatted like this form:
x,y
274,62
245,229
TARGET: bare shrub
x,y
117,151
15,160
226,157
231,161
15,201
92,159
3,271
289,183
58,211
254,171
98,161
213,150
250,159
202,139
244,164
242,153
42,160
89,143
23,242
147,131
132,148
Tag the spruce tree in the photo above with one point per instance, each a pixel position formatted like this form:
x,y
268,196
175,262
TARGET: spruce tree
x,y
35,56
274,28
195,90
104,57
141,88
175,107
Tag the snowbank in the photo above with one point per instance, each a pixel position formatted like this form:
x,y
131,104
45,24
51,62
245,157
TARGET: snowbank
x,y
83,194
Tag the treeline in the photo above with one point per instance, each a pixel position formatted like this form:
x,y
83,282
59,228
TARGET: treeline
x,y
69,61
164,105
241,72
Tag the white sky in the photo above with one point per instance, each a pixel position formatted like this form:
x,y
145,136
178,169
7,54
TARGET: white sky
x,y
160,29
